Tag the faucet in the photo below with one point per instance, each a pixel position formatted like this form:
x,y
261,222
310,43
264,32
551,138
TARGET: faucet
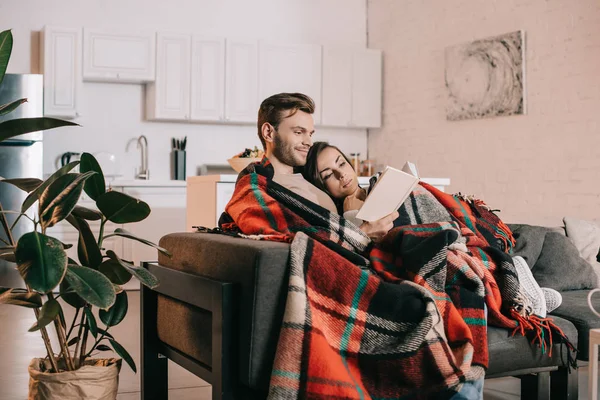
x,y
142,143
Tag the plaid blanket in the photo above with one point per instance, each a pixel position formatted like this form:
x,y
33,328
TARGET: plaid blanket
x,y
403,318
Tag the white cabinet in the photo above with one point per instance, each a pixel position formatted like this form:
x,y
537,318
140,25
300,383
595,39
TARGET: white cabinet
x,y
59,59
241,81
352,87
169,97
118,57
208,79
291,68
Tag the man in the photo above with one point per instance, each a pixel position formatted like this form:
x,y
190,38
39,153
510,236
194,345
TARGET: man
x,y
285,129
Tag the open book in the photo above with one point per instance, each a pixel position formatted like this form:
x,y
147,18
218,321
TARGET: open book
x,y
391,190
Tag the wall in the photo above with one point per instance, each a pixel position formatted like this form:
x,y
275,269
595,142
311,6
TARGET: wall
x,y
112,114
536,168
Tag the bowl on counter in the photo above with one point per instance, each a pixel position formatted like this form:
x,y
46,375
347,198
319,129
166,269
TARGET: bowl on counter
x,y
238,163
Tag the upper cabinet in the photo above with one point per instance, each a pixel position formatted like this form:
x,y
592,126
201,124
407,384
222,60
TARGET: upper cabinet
x,y
118,57
352,87
169,97
59,59
291,68
204,79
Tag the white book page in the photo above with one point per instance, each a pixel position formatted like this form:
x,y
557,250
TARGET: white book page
x,y
390,191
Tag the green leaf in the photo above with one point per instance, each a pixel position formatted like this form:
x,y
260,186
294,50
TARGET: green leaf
x,y
94,186
91,322
20,126
115,272
87,248
103,347
114,315
92,286
59,199
142,274
121,208
73,341
6,43
86,213
6,108
48,313
68,295
35,195
126,234
105,333
120,350
20,297
25,184
41,260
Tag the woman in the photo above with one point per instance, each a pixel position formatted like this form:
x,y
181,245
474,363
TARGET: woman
x,y
328,168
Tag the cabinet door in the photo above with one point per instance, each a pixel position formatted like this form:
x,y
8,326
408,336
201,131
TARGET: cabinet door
x,y
366,88
208,79
241,100
337,86
169,97
59,59
118,57
291,68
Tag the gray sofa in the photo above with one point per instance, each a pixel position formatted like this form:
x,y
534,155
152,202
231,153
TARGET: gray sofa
x,y
219,307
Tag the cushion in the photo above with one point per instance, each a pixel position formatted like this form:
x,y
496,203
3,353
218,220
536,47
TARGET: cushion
x,y
586,238
561,268
575,308
515,353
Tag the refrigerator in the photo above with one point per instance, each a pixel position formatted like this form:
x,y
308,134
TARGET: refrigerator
x,y
20,157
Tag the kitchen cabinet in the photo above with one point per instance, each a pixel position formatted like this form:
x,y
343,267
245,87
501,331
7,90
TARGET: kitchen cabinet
x,y
118,57
207,101
352,87
168,98
207,196
60,52
291,68
241,81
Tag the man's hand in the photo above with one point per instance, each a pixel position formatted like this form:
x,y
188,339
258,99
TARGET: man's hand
x,y
355,200
376,230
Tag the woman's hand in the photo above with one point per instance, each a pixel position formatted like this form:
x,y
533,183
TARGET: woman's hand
x,y
376,230
355,200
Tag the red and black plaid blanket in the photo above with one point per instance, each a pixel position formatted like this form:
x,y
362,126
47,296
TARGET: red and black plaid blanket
x,y
403,318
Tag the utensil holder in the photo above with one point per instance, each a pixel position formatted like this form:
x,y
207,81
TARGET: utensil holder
x,y
178,165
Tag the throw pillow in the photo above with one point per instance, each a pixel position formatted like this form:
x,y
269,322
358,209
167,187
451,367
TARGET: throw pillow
x,y
561,268
586,237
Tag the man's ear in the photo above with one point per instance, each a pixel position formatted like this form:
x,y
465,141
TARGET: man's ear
x,y
267,132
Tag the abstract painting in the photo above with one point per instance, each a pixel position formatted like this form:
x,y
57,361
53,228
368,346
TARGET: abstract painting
x,y
485,78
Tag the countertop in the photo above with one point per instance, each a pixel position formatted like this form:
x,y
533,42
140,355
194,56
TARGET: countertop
x,y
145,183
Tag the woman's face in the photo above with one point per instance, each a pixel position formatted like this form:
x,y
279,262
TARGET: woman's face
x,y
337,174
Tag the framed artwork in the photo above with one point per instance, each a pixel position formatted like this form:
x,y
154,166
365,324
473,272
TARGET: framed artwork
x,y
486,77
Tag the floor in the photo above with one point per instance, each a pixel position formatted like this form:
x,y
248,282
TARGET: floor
x,y
18,347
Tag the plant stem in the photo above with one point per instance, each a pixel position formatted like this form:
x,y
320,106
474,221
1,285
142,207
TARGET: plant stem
x,y
62,340
81,324
73,324
101,233
86,330
97,342
36,311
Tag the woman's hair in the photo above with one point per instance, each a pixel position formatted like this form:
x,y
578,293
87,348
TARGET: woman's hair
x,y
310,172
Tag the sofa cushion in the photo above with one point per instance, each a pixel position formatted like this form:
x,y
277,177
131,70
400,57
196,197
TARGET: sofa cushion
x,y
259,268
514,353
586,237
575,308
560,267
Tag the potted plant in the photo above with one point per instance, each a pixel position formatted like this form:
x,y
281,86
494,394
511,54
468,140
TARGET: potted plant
x,y
54,280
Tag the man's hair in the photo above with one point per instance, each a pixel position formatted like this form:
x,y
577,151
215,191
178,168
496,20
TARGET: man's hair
x,y
273,109
310,172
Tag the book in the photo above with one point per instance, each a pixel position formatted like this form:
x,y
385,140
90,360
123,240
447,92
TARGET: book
x,y
391,190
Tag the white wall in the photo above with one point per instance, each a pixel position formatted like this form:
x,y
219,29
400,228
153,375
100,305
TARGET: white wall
x,y
536,168
112,114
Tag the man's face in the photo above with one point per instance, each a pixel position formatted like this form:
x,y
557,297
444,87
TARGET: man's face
x,y
293,138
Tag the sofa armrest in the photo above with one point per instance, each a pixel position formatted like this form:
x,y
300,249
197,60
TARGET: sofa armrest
x,y
260,270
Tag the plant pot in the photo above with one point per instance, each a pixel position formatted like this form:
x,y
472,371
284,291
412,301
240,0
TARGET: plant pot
x,y
97,379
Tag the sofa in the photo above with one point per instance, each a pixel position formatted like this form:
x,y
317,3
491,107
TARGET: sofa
x,y
218,310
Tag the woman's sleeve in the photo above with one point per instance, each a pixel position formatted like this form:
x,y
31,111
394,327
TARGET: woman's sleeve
x,y
350,215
